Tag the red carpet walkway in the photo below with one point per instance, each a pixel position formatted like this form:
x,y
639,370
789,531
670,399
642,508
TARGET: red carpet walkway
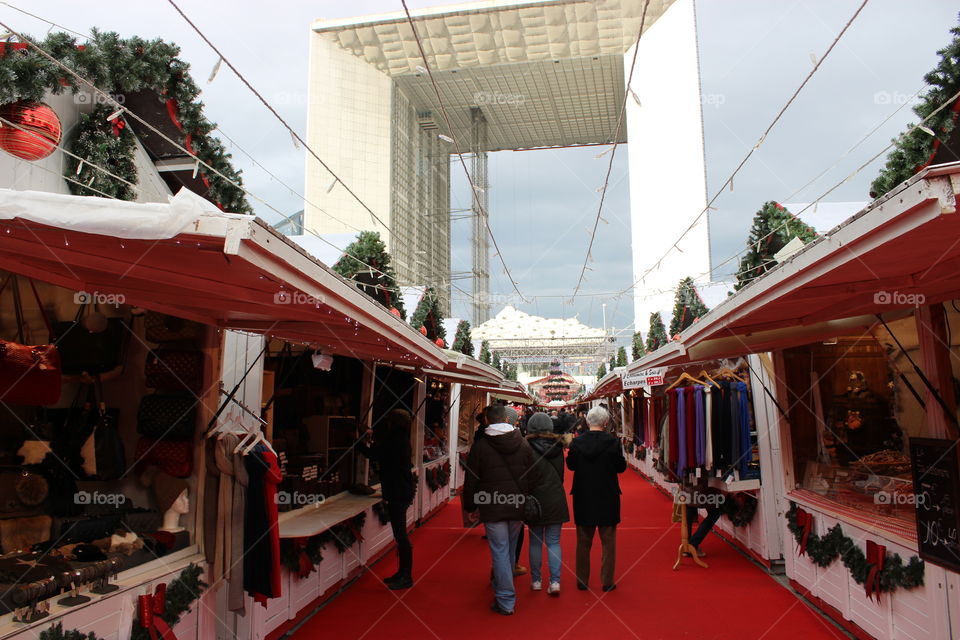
x,y
732,599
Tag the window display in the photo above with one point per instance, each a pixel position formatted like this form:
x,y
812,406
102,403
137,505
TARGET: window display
x,y
436,413
97,449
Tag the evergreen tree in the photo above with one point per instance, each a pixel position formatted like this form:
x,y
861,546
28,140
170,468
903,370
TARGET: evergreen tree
x,y
916,149
622,357
369,249
638,348
485,352
462,341
497,364
613,362
657,335
511,371
601,371
429,316
773,227
687,307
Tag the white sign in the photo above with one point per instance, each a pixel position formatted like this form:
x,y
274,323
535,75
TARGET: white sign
x,y
646,378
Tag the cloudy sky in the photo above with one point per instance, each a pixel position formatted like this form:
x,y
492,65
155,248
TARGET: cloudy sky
x,y
753,55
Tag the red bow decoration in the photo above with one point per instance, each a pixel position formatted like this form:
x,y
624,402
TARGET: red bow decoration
x,y
355,531
305,566
173,110
151,608
118,125
876,555
805,522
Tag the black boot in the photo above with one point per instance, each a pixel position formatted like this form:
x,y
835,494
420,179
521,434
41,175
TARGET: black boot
x,y
404,579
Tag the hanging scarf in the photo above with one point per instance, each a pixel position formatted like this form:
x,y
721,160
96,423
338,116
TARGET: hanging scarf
x,y
681,431
700,426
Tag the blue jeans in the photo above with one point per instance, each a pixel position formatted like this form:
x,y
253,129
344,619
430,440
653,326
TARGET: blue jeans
x,y
502,538
551,535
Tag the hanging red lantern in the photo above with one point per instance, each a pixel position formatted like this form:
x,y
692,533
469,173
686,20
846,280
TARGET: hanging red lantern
x,y
37,131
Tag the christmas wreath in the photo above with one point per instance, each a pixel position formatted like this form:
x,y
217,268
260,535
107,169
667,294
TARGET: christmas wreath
x,y
739,510
301,555
168,603
121,67
880,572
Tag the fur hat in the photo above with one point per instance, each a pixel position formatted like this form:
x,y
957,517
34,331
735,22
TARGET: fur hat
x,y
539,423
167,489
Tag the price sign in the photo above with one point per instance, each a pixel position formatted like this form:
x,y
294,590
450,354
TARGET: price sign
x,y
646,378
936,483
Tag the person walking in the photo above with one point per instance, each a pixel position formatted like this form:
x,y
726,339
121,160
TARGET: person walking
x,y
596,458
496,482
391,449
546,477
518,569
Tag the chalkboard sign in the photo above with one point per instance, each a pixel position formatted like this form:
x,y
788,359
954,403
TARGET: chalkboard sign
x,y
936,482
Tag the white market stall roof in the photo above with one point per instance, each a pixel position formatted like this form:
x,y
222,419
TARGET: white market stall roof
x,y
902,249
539,52
188,259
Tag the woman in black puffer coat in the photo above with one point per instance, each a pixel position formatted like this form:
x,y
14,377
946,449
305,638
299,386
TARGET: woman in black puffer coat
x,y
546,477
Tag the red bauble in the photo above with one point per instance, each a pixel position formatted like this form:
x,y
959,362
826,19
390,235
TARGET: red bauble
x,y
423,330
395,311
440,343
39,132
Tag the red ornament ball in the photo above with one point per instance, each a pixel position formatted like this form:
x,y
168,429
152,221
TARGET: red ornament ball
x,y
38,134
440,343
423,330
395,311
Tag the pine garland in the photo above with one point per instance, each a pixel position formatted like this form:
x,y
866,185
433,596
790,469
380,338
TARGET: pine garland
x,y
773,227
56,632
120,66
462,341
824,550
369,249
95,142
290,553
916,148
739,511
181,593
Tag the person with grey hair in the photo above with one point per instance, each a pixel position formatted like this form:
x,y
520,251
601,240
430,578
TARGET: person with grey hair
x,y
518,569
596,458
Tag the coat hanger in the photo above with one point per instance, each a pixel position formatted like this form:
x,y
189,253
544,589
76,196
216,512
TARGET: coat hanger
x,y
727,372
703,374
685,376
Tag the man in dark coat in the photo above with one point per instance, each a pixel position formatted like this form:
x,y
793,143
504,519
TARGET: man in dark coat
x,y
596,458
496,482
391,448
547,480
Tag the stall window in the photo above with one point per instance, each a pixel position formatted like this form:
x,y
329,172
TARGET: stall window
x,y
436,416
471,404
96,460
853,407
314,421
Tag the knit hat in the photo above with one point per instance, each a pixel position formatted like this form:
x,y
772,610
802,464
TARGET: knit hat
x,y
512,416
539,423
167,489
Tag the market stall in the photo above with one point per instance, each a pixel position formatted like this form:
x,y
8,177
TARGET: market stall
x,y
861,382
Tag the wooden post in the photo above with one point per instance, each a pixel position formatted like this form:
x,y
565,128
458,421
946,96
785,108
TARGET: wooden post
x,y
934,361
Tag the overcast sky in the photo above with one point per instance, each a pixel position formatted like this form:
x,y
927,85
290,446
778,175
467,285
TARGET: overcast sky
x,y
753,55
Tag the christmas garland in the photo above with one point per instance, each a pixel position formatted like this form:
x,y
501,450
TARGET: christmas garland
x,y
822,551
302,555
739,511
120,66
104,143
179,597
56,632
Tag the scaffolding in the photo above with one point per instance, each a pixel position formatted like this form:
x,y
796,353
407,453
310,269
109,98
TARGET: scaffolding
x,y
480,210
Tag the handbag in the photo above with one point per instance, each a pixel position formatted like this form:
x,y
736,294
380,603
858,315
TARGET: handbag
x,y
175,370
532,509
163,416
29,374
90,352
105,458
160,328
173,457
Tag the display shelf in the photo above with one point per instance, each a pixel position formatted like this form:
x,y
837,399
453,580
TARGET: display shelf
x,y
316,518
734,485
